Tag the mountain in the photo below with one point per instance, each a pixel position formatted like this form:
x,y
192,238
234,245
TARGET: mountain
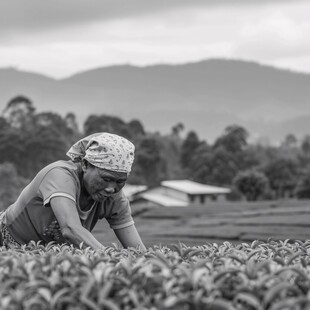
x,y
205,96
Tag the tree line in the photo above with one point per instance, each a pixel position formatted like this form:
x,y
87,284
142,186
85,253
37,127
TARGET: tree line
x,y
29,140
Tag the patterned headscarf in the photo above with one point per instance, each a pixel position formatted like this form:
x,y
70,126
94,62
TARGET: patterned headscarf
x,y
104,150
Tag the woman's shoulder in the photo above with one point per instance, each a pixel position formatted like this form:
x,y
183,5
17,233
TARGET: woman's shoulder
x,y
61,164
59,168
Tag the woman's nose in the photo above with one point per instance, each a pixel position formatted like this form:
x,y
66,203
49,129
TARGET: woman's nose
x,y
109,189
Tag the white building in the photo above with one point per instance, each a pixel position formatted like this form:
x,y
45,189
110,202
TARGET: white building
x,y
181,193
130,190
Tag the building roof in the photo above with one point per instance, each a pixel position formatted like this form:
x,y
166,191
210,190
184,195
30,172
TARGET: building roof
x,y
163,200
129,189
194,188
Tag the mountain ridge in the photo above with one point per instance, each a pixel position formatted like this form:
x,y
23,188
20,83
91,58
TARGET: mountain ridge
x,y
205,96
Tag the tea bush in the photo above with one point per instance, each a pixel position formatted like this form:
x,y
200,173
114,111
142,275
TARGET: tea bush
x,y
246,276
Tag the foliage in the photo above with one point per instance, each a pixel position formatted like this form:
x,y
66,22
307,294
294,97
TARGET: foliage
x,y
189,145
177,129
150,165
199,168
19,112
10,184
303,186
305,145
234,139
252,184
283,176
105,123
258,275
290,141
136,128
217,164
31,140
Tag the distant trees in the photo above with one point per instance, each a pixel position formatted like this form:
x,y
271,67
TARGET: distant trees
x,y
176,129
256,171
252,184
11,184
283,174
188,148
233,140
305,145
216,164
29,140
104,123
290,141
303,186
150,165
19,112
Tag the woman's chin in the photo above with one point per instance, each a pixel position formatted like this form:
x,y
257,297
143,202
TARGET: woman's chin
x,y
99,197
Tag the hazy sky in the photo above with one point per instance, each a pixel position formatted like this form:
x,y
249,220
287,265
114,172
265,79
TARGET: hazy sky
x,y
59,38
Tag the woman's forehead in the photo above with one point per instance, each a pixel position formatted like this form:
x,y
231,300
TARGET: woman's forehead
x,y
110,173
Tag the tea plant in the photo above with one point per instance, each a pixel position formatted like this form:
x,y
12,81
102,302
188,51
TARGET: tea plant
x,y
248,276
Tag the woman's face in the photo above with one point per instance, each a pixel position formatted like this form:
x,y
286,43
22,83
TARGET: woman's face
x,y
100,183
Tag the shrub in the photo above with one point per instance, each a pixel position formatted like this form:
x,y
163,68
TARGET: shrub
x,y
251,183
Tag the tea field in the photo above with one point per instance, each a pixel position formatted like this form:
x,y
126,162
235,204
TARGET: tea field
x,y
247,276
222,257
234,222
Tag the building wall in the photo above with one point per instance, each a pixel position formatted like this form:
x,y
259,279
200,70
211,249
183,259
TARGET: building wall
x,y
202,200
205,199
197,199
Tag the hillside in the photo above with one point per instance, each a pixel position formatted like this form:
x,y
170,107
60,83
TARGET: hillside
x,y
205,96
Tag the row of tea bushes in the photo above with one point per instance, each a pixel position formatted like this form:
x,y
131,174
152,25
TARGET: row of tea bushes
x,y
250,276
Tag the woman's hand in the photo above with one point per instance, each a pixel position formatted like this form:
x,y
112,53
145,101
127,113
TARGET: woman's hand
x,y
129,237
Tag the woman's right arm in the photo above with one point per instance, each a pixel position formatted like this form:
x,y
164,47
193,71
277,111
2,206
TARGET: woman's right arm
x,y
69,221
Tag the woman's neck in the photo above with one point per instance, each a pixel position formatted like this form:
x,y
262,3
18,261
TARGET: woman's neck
x,y
85,199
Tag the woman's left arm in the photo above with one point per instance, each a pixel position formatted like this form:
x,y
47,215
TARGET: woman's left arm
x,y
129,237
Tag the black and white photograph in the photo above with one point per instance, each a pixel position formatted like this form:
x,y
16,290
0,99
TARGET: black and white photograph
x,y
155,155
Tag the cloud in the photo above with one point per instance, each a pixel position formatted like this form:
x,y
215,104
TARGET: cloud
x,y
60,38
37,14
275,36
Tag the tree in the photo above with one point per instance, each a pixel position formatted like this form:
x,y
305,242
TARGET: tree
x,y
71,123
251,183
136,128
13,149
200,166
233,140
4,125
189,145
283,174
305,145
176,129
303,187
290,141
11,184
19,112
36,144
224,166
150,166
105,123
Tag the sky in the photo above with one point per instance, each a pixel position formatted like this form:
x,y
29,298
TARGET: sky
x,y
59,38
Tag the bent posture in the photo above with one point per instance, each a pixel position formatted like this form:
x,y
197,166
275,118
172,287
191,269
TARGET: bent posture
x,y
65,199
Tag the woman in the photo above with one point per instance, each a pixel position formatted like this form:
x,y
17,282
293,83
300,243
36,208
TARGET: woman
x,y
65,199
